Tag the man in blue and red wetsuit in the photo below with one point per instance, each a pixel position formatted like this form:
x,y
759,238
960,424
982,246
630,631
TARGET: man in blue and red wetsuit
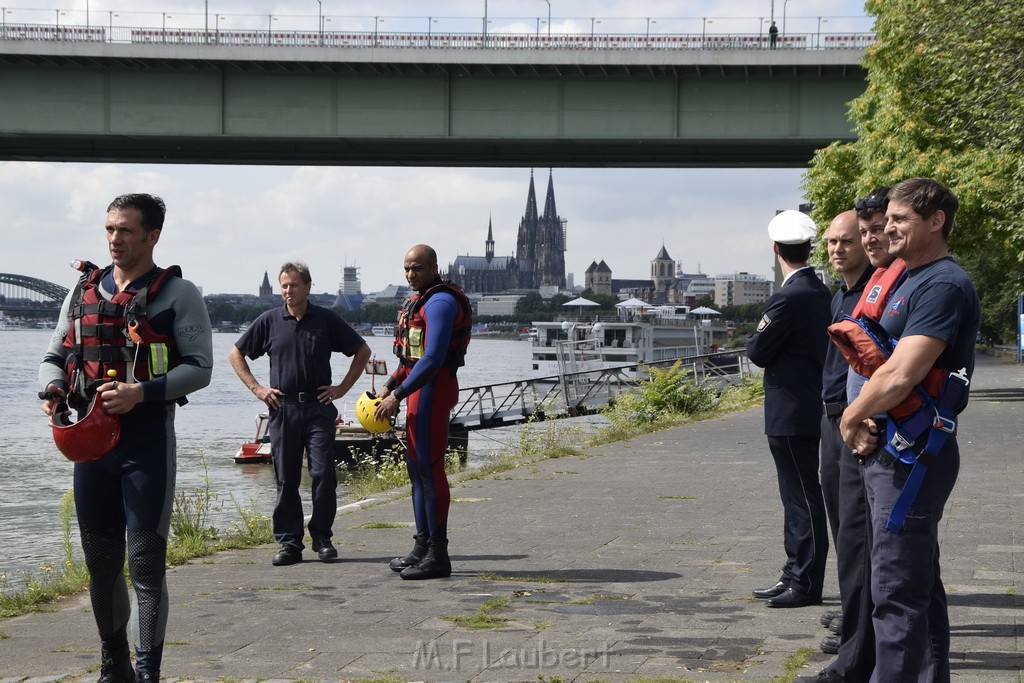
x,y
431,338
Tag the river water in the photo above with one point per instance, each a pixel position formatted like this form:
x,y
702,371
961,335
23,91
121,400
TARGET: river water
x,y
210,428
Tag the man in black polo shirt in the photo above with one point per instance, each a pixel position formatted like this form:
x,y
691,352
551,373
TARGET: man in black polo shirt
x,y
300,338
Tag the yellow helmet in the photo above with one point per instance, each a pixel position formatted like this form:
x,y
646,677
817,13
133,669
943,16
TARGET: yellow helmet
x,y
366,406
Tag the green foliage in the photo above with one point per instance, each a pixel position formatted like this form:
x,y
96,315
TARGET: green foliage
x,y
190,516
252,526
945,99
668,392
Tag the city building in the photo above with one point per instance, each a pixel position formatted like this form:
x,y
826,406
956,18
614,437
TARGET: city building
x,y
350,293
741,288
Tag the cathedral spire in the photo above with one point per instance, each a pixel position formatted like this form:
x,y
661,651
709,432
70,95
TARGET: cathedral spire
x,y
531,201
550,212
489,244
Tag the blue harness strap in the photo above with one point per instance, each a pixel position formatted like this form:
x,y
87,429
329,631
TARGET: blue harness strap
x,y
937,417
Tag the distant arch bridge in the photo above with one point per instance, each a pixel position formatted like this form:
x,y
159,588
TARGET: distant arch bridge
x,y
24,293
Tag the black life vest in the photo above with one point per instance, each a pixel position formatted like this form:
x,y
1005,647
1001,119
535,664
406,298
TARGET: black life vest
x,y
115,334
410,330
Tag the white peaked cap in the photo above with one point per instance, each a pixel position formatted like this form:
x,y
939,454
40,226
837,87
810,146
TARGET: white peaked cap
x,y
792,227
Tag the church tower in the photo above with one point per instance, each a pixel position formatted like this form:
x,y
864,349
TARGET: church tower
x,y
489,244
266,290
540,247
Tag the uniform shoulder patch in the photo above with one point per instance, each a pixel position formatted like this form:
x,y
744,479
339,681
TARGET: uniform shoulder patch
x,y
765,322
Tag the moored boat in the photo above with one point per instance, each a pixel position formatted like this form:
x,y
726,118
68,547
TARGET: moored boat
x,y
352,444
643,335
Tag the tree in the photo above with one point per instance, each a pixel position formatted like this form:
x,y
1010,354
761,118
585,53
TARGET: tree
x,y
945,99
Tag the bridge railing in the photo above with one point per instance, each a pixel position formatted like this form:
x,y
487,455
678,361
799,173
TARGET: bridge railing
x,y
459,41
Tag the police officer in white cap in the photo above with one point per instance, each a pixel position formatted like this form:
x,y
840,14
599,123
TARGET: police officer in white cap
x,y
790,344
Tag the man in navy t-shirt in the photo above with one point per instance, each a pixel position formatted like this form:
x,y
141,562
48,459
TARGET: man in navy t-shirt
x,y
935,314
300,338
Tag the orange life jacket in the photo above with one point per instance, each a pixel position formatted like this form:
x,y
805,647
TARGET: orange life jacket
x,y
866,345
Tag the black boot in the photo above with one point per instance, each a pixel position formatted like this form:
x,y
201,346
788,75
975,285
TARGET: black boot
x,y
414,556
116,666
435,563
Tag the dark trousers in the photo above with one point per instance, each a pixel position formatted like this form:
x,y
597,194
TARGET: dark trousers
x,y
911,617
841,482
805,530
294,428
124,500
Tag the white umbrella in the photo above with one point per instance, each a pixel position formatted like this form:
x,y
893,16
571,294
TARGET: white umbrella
x,y
633,303
704,310
581,302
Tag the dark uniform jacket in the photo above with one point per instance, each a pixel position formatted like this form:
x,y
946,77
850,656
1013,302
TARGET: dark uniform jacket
x,y
790,344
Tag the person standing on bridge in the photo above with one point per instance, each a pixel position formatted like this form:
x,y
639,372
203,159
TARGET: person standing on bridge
x,y
300,338
773,35
431,339
132,339
790,344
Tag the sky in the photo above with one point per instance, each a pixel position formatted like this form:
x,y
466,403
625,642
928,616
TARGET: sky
x,y
227,225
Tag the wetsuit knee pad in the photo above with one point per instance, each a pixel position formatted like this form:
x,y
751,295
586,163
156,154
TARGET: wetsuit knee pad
x,y
104,556
147,555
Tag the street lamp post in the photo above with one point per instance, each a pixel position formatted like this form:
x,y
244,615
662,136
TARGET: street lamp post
x,y
549,16
375,30
649,22
784,3
320,21
818,40
485,24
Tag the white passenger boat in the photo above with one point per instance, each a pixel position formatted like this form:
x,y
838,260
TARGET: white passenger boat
x,y
641,335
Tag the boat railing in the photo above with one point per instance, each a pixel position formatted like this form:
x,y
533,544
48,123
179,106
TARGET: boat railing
x,y
579,393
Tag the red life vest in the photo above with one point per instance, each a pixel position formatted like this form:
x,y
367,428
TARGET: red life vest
x,y
410,331
114,335
866,345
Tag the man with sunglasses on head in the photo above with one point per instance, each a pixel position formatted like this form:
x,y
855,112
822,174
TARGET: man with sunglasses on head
x,y
840,473
909,474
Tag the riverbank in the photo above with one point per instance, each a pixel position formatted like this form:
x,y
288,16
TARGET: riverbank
x,y
633,560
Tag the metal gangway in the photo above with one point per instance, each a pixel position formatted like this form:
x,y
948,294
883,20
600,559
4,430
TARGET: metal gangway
x,y
578,393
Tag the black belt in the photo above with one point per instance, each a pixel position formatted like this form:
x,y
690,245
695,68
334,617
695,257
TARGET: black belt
x,y
301,397
833,409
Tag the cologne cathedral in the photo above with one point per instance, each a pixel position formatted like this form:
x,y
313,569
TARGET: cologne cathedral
x,y
540,253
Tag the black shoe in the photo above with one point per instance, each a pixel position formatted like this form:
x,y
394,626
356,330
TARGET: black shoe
x,y
435,563
836,626
116,666
288,554
765,593
147,677
823,676
830,645
792,597
419,549
828,615
325,551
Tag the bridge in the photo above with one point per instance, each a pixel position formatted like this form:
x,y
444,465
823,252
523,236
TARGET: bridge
x,y
94,93
24,294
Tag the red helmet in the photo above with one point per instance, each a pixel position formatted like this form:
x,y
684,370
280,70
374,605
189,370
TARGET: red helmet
x,y
90,438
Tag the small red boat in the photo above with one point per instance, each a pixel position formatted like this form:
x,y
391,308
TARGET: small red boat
x,y
351,443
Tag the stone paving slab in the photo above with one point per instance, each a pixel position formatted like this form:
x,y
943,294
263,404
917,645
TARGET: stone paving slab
x,y
635,560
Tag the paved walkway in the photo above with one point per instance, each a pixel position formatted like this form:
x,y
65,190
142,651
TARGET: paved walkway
x,y
636,560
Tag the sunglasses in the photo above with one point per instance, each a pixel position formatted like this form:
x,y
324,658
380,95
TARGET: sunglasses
x,y
872,202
